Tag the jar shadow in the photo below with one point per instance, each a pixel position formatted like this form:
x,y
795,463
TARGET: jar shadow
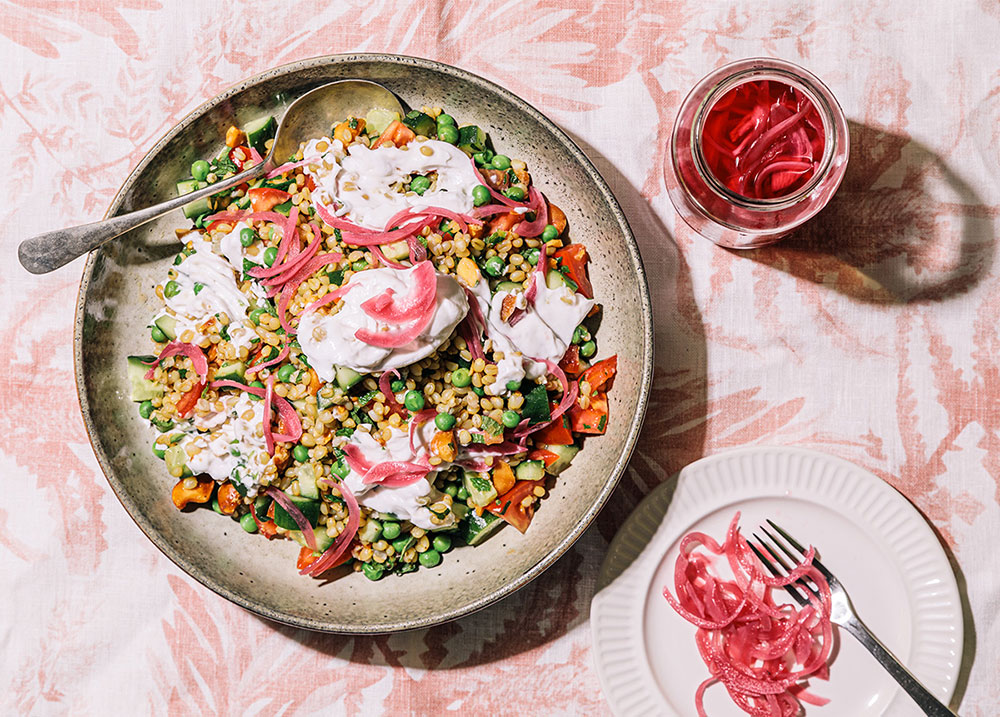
x,y
902,228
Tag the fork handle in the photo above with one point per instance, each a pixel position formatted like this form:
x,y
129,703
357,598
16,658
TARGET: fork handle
x,y
927,702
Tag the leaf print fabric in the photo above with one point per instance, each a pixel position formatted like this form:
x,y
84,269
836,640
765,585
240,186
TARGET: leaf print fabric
x,y
871,334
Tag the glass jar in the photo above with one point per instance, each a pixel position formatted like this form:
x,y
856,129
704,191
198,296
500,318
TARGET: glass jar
x,y
713,209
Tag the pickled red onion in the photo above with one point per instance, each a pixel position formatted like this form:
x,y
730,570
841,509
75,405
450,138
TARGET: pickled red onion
x,y
282,499
385,307
343,541
385,386
395,474
761,651
174,348
541,209
286,412
356,460
419,303
268,397
289,166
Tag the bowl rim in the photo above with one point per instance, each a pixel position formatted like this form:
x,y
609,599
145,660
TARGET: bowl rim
x,y
631,438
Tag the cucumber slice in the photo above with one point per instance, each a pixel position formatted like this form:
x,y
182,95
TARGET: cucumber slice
x,y
565,453
347,377
420,123
142,388
378,119
259,131
176,457
307,482
196,209
556,280
323,541
471,139
309,508
477,528
370,531
536,405
508,286
168,325
397,251
530,470
231,371
480,488
187,186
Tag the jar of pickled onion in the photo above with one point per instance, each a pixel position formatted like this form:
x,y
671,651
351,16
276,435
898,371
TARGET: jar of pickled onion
x,y
759,147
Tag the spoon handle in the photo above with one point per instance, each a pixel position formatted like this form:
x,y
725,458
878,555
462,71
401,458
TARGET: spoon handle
x,y
47,252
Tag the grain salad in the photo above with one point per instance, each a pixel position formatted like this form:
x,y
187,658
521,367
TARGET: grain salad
x,y
383,350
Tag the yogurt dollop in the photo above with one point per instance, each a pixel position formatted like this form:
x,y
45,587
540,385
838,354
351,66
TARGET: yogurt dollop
x,y
329,340
232,450
408,502
363,183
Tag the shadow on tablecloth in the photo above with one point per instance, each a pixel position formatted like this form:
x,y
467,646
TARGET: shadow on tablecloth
x,y
903,227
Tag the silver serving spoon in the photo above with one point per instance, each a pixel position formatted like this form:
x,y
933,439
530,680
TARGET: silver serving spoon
x,y
312,115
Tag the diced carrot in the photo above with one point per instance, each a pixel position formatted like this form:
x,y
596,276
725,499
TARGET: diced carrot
x,y
557,218
503,476
397,133
443,444
181,496
506,222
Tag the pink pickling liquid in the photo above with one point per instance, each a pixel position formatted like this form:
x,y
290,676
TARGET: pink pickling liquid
x,y
763,139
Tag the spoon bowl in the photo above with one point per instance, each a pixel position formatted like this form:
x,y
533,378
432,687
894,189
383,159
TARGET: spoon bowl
x,y
311,115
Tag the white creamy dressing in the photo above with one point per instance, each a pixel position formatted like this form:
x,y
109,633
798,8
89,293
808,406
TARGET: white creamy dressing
x,y
408,502
236,254
231,450
544,332
329,340
208,287
360,184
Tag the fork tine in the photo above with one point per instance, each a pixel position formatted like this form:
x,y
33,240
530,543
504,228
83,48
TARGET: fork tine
x,y
795,544
777,573
801,582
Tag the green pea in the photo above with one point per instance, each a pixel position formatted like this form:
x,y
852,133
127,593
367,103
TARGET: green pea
x,y
463,494
199,170
549,233
444,421
511,419
445,119
442,543
430,558
513,386
494,266
448,133
516,193
216,507
578,334
146,409
159,452
359,265
300,453
285,373
255,384
460,377
451,489
157,333
401,545
256,314
480,195
588,349
397,386
414,401
420,184
532,255
390,531
248,523
372,571
270,254
481,159
501,161
172,288
247,236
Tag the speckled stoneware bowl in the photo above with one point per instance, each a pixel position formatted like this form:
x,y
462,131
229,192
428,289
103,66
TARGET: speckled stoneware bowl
x,y
116,302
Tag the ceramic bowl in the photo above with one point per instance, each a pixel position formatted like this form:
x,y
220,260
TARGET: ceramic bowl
x,y
116,302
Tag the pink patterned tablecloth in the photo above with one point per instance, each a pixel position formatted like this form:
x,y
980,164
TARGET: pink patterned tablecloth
x,y
872,335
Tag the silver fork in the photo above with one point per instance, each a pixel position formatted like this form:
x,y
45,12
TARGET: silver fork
x,y
841,612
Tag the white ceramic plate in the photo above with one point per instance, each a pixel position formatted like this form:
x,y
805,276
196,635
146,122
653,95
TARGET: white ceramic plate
x,y
868,535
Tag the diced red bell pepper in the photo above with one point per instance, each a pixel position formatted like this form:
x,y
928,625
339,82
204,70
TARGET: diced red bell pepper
x,y
556,433
189,400
574,258
540,454
594,418
600,373
510,506
306,558
264,199
571,363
